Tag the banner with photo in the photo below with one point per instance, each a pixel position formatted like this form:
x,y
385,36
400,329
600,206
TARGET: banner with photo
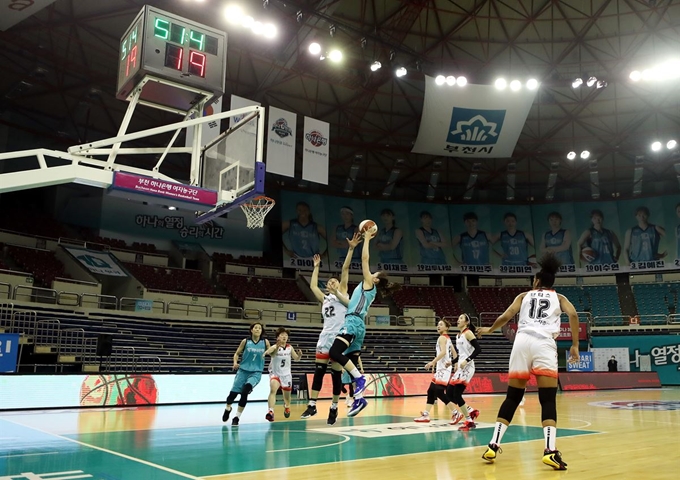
x,y
281,142
303,229
476,121
315,150
590,238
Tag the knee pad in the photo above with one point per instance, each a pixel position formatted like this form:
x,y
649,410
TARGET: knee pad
x,y
431,394
319,373
510,404
456,394
232,396
247,388
440,391
336,376
548,399
337,352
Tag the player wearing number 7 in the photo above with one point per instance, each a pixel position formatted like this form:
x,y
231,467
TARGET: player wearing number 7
x,y
279,371
535,351
333,312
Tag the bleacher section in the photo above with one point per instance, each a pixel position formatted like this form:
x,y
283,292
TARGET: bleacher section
x,y
493,299
170,279
33,223
576,296
43,264
656,299
440,299
241,287
220,260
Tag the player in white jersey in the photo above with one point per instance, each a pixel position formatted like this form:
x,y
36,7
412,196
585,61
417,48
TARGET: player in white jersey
x,y
535,351
467,349
442,372
333,311
279,371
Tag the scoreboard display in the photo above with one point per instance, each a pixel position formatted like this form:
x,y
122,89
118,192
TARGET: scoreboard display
x,y
170,47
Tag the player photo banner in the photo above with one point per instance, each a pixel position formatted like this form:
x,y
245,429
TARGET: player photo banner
x,y
281,142
476,121
303,229
315,151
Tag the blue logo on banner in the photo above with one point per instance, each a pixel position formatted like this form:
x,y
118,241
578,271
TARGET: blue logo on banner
x,y
143,305
475,127
585,363
292,316
9,351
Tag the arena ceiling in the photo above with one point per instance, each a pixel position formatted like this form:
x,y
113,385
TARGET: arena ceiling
x,y
59,73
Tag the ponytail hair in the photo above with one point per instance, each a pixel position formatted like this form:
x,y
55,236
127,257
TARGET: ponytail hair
x,y
550,265
385,287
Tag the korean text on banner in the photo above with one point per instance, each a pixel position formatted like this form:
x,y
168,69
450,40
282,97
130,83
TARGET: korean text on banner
x,y
281,142
315,154
478,121
97,262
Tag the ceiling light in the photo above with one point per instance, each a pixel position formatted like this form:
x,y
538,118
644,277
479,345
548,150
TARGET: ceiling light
x,y
247,21
172,208
500,84
585,154
577,83
314,48
401,71
270,30
257,28
601,84
591,81
571,155
375,66
515,85
635,75
450,80
656,146
461,81
671,144
440,80
335,56
532,84
233,14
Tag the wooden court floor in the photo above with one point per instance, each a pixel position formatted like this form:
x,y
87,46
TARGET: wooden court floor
x,y
606,434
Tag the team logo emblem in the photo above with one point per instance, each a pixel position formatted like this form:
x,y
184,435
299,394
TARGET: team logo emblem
x,y
658,405
316,138
475,127
281,128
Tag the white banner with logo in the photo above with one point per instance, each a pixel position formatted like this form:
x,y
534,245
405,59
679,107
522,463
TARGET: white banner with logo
x,y
14,11
101,263
315,153
475,121
240,102
281,142
211,129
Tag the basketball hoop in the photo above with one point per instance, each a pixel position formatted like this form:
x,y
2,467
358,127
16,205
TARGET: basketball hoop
x,y
256,209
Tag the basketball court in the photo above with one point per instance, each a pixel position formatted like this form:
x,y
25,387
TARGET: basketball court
x,y
174,442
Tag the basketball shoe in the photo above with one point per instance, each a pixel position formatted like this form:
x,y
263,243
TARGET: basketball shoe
x,y
270,416
286,412
332,416
467,426
358,405
553,458
310,412
490,454
423,418
455,418
234,422
225,415
474,414
360,386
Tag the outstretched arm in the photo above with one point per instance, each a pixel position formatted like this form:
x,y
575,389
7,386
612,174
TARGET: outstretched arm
x,y
314,283
505,317
344,276
365,265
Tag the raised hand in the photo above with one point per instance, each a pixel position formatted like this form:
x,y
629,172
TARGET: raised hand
x,y
317,260
356,239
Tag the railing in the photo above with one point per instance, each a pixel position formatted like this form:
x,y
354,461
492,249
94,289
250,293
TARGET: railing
x,y
252,314
453,320
122,360
69,299
23,321
129,304
105,302
280,315
5,291
6,310
148,364
405,321
658,319
374,319
46,333
486,319
674,319
611,321
71,344
36,294
187,308
217,311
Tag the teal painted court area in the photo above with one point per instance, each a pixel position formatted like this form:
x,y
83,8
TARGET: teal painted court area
x,y
215,450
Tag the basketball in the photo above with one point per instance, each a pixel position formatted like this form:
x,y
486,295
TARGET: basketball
x,y
588,254
368,226
134,389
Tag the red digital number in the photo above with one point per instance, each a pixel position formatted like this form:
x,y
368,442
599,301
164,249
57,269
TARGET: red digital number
x,y
132,58
197,63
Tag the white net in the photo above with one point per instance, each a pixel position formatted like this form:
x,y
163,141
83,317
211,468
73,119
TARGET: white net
x,y
256,209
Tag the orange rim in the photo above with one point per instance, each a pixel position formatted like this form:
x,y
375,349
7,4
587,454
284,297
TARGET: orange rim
x,y
270,202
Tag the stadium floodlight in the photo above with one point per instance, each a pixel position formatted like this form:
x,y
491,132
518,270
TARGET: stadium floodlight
x,y
515,85
335,56
450,80
440,80
635,75
671,144
591,81
585,154
257,28
532,84
577,83
601,84
233,14
314,48
375,66
401,71
647,74
571,155
461,81
500,84
247,21
172,208
270,30
656,146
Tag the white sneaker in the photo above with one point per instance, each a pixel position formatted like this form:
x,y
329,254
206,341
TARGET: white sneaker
x,y
456,418
424,418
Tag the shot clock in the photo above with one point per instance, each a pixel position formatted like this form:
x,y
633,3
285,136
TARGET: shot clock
x,y
169,47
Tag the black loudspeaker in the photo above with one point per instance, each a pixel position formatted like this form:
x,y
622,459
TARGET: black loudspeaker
x,y
104,345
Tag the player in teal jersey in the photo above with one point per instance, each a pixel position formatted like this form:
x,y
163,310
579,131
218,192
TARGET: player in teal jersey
x,y
514,243
249,370
390,238
343,232
557,240
474,244
304,234
605,242
642,241
351,336
430,241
